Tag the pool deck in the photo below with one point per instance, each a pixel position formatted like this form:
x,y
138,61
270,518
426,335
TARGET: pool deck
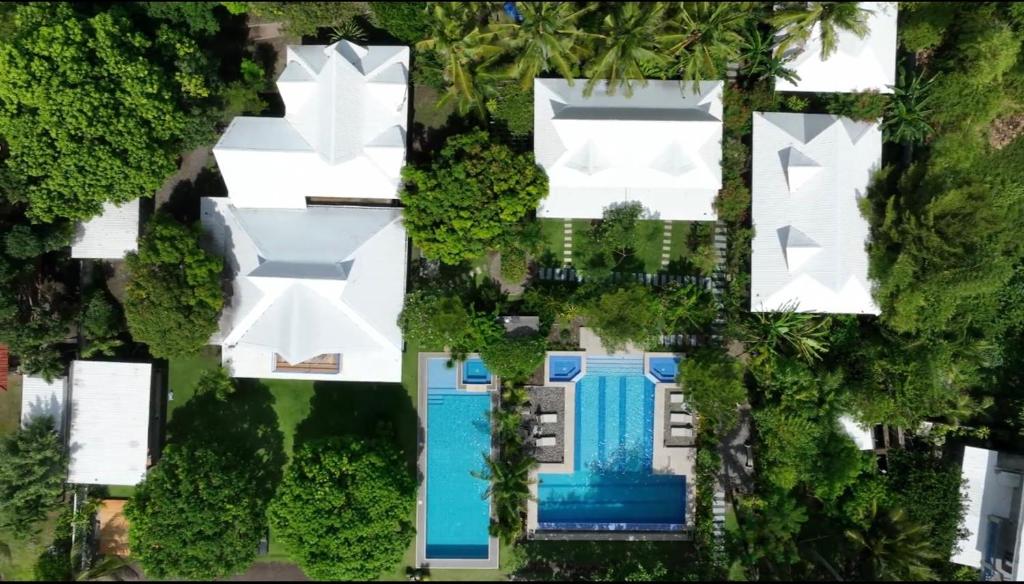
x,y
666,459
421,493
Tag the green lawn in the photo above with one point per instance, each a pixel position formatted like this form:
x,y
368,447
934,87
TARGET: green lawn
x,y
650,235
25,550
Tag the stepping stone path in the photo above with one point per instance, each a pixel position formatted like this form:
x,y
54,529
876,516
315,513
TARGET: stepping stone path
x,y
567,249
666,245
718,512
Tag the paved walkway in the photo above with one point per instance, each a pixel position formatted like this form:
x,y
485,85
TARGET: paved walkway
x,y
567,246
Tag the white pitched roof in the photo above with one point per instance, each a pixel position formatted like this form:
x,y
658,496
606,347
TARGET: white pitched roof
x,y
109,235
809,171
109,438
856,65
312,281
343,134
860,434
43,398
662,147
989,491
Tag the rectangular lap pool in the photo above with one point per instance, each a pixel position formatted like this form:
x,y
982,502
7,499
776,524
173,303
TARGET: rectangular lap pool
x,y
612,486
458,438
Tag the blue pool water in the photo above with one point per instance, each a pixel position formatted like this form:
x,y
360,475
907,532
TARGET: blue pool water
x,y
563,367
612,486
474,371
458,437
664,368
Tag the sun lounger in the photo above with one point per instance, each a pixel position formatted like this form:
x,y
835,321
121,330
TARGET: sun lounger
x,y
681,418
546,441
675,397
550,418
682,432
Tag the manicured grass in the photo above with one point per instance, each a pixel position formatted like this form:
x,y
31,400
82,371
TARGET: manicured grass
x,y
120,491
25,550
650,235
10,406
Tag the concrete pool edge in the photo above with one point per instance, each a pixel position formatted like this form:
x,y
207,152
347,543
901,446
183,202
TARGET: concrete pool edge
x,y
422,561
665,460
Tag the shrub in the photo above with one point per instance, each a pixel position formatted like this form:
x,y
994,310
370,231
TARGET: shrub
x,y
514,359
712,382
866,106
924,23
733,201
102,323
631,313
514,106
705,258
434,320
406,21
688,308
173,297
735,159
305,18
513,264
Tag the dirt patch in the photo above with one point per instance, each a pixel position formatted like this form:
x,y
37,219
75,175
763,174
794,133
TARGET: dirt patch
x,y
1005,130
271,572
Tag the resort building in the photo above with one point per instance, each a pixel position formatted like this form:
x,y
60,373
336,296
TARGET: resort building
x,y
311,238
109,235
809,173
993,520
662,147
342,136
108,442
858,64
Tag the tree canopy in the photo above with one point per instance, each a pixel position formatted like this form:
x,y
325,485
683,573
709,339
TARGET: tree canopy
x,y
470,198
174,297
32,473
95,109
344,509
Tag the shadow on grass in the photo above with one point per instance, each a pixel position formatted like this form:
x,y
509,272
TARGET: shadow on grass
x,y
244,425
361,409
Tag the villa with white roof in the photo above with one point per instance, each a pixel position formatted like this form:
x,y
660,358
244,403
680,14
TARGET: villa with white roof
x,y
809,172
992,490
318,277
858,64
662,146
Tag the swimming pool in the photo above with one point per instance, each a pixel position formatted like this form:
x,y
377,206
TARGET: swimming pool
x,y
612,486
563,367
458,437
664,369
474,371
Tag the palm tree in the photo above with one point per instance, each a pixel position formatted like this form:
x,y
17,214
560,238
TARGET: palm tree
x,y
466,49
546,39
628,45
770,334
892,547
796,20
907,114
509,491
710,37
759,59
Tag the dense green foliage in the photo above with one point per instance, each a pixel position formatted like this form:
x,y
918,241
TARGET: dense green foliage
x,y
173,297
102,322
406,21
628,314
196,515
32,473
514,359
508,470
713,385
471,198
201,512
435,320
94,108
344,509
303,18
513,106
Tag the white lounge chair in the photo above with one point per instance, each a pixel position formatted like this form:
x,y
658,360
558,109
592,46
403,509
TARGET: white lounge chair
x,y
675,397
546,441
682,432
681,418
550,418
